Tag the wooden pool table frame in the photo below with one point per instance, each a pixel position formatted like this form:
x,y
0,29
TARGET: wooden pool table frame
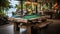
x,y
16,23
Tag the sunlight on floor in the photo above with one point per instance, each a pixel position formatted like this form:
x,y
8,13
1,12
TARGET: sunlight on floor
x,y
22,29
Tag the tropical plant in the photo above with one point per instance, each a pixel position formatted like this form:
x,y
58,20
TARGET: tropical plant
x,y
4,5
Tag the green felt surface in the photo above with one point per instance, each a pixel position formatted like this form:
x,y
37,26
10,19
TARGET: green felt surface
x,y
28,16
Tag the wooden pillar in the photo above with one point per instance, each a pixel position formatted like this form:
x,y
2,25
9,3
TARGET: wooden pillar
x,y
28,29
50,5
21,7
16,28
36,7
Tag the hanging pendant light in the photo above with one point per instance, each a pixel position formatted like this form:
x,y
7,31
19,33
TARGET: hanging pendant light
x,y
28,2
35,3
55,6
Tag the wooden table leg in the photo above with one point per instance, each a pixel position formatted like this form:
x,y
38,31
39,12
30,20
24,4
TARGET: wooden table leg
x,y
28,30
16,28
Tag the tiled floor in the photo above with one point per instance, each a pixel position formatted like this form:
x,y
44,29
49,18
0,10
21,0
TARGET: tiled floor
x,y
8,29
53,28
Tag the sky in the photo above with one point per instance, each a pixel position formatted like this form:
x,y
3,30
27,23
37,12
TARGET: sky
x,y
13,2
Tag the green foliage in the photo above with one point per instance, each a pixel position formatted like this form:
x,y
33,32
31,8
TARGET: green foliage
x,y
18,7
2,13
4,5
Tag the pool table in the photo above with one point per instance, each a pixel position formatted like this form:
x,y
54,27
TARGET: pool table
x,y
18,19
25,19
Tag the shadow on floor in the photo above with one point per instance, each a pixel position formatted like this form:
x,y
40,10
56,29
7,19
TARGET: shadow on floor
x,y
53,28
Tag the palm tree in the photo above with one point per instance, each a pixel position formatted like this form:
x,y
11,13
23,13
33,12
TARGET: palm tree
x,y
20,6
